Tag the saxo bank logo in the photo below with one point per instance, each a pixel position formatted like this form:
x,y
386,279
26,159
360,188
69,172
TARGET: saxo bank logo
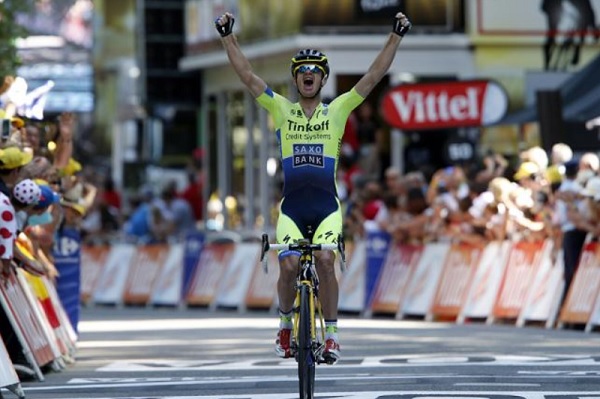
x,y
308,154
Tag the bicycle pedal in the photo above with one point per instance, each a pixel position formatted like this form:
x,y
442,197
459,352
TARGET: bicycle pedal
x,y
330,360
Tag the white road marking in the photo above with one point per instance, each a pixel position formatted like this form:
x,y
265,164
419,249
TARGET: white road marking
x,y
494,384
99,383
270,323
379,394
350,363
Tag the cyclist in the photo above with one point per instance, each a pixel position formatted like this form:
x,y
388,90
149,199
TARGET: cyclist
x,y
310,135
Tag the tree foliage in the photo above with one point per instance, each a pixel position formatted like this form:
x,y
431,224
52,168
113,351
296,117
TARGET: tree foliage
x,y
10,30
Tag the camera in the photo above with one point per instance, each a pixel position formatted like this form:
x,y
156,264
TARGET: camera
x,y
6,127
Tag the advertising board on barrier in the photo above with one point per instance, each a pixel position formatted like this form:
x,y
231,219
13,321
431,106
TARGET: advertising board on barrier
x,y
144,268
594,319
480,300
378,243
352,283
26,324
168,284
111,283
422,285
67,259
517,281
211,267
521,269
545,292
393,278
8,376
93,259
427,106
194,242
262,290
235,281
584,288
460,267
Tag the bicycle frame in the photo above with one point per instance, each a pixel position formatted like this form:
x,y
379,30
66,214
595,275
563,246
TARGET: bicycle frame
x,y
308,349
308,278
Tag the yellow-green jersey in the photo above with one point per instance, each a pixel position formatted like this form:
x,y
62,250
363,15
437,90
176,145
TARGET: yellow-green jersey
x,y
310,149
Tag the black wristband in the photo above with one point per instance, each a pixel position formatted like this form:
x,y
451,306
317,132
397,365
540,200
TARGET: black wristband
x,y
225,30
401,29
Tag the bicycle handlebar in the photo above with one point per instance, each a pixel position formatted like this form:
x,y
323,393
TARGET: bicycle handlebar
x,y
266,247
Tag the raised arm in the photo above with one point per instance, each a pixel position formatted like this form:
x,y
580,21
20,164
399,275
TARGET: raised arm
x,y
384,59
238,60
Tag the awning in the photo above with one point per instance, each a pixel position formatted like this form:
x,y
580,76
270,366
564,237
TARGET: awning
x,y
580,98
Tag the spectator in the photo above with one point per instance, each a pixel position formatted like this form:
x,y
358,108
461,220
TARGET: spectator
x,y
373,202
561,153
367,131
26,195
11,160
148,222
192,194
40,167
589,164
101,223
568,205
110,195
537,155
179,211
588,220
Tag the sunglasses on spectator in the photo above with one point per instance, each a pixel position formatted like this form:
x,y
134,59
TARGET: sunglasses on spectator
x,y
312,68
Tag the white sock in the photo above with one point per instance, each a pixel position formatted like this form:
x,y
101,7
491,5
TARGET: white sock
x,y
331,330
285,320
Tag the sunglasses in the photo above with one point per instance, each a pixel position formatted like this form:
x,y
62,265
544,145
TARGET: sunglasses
x,y
312,68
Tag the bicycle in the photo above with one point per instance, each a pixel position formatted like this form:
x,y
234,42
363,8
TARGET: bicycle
x,y
306,344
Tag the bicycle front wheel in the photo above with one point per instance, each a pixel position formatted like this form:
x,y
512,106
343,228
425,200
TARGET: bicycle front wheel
x,y
305,356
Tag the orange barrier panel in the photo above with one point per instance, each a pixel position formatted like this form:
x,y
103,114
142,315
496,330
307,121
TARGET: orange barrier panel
x,y
460,267
111,283
234,284
486,282
211,267
144,268
584,288
262,291
545,291
394,276
8,375
520,272
167,286
93,259
421,287
352,283
25,323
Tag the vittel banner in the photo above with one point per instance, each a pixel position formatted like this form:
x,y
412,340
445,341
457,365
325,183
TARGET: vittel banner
x,y
443,105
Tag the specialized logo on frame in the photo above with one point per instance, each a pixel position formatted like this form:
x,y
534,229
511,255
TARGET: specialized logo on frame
x,y
308,154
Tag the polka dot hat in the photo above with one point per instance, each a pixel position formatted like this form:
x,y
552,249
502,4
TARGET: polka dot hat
x,y
27,192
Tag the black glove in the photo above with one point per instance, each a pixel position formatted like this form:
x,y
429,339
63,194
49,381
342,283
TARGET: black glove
x,y
399,28
225,30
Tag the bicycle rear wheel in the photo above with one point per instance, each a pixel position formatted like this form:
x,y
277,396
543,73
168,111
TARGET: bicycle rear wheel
x,y
305,356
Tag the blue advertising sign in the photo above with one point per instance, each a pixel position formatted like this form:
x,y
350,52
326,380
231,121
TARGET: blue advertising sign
x,y
378,243
194,242
67,260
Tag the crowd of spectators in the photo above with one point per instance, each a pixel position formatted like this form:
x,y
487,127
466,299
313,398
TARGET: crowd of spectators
x,y
44,188
540,196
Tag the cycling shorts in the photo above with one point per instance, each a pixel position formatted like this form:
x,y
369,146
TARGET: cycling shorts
x,y
309,207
